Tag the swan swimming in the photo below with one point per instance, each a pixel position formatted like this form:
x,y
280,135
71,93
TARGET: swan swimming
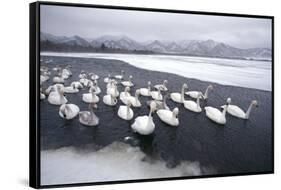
x,y
107,79
89,118
193,106
169,117
238,112
113,91
125,112
179,97
125,95
195,94
134,100
144,125
90,97
163,86
71,89
146,91
160,104
56,97
68,111
77,84
53,88
216,115
109,100
156,95
58,79
128,83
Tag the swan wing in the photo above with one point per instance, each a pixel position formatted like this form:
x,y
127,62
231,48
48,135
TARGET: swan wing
x,y
193,94
236,111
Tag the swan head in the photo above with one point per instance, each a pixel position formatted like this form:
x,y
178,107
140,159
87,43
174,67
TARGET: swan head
x,y
184,86
153,106
228,101
130,76
165,82
148,83
176,112
255,103
211,87
108,75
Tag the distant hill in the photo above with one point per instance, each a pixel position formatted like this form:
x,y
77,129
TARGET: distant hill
x,y
123,44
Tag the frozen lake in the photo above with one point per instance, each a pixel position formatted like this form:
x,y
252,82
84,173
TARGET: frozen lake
x,y
243,73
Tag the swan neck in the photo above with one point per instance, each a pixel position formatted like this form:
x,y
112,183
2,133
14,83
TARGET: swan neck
x,y
198,101
249,111
206,92
224,110
128,111
164,102
182,94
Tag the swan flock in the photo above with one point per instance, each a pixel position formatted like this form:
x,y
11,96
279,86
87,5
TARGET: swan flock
x,y
118,89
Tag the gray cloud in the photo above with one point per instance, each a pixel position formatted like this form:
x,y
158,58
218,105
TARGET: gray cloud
x,y
144,26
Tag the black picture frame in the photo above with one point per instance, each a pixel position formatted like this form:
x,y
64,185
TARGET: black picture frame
x,y
34,100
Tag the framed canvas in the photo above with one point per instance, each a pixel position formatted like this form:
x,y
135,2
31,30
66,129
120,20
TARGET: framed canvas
x,y
123,94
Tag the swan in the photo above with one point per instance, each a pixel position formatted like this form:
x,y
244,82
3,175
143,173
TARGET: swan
x,y
160,104
134,100
113,91
107,79
56,97
193,106
124,95
43,78
89,118
90,97
71,89
216,115
53,87
82,74
68,111
146,91
77,84
94,76
238,112
129,82
169,117
96,87
179,97
58,79
109,100
156,95
144,125
57,68
195,94
125,112
120,77
66,73
163,86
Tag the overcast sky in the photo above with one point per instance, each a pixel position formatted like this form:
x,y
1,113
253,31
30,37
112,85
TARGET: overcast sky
x,y
144,26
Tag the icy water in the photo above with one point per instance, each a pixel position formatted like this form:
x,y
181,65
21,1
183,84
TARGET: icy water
x,y
73,153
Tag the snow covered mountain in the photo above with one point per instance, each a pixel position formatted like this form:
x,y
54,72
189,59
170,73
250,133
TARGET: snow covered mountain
x,y
186,47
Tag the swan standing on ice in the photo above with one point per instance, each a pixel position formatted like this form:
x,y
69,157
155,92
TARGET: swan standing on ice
x,y
107,79
125,112
179,97
160,104
109,100
71,89
144,125
238,112
156,95
169,117
163,86
125,95
90,97
216,115
146,91
195,94
128,83
89,118
68,111
120,77
193,106
56,97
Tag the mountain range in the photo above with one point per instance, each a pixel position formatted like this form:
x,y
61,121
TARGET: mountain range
x,y
107,43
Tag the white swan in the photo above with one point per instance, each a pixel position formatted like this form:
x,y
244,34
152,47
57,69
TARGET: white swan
x,y
144,125
169,117
113,91
125,112
120,77
89,118
156,95
146,91
193,106
58,79
134,100
125,95
96,87
163,86
238,112
107,79
179,97
82,74
109,100
71,89
160,104
77,84
129,82
53,88
216,115
56,97
195,94
94,76
43,78
90,97
68,111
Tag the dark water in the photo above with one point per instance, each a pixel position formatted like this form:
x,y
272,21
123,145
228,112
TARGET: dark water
x,y
239,146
